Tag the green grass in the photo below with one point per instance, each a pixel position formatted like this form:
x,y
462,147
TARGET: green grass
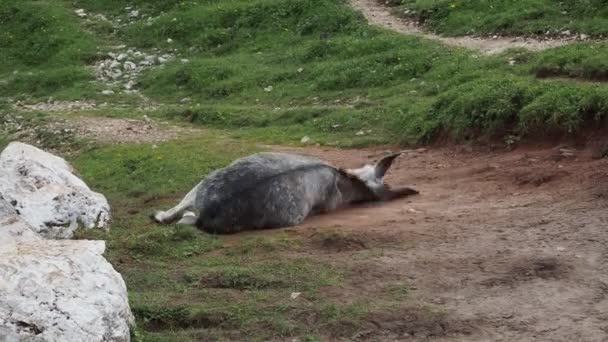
x,y
286,73
521,17
43,50
187,285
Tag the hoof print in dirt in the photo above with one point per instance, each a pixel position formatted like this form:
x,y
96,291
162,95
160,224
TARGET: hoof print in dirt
x,y
525,270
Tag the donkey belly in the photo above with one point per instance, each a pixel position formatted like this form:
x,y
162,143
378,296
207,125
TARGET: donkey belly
x,y
280,202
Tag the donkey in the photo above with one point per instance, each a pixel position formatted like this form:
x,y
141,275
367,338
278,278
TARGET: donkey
x,y
273,190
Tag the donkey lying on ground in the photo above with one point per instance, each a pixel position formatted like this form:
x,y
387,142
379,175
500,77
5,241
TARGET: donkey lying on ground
x,y
272,190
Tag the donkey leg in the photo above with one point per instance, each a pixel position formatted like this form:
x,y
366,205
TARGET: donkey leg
x,y
178,211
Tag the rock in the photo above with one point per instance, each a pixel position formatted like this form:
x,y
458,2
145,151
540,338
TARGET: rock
x,y
12,227
162,60
145,63
305,139
81,13
134,14
169,40
360,133
129,66
115,64
185,100
130,85
584,36
121,57
566,33
184,60
46,193
61,291
107,92
268,89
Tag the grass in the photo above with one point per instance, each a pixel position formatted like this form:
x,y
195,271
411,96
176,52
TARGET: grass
x,y
522,17
43,51
246,285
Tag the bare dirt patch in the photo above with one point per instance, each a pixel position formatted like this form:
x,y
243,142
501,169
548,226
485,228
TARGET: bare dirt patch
x,y
114,130
510,246
381,15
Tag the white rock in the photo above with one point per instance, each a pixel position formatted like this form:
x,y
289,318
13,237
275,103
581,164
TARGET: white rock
x,y
169,40
162,60
46,193
129,66
54,290
305,139
184,60
130,85
115,65
145,63
134,14
121,57
107,92
268,89
57,290
150,58
80,12
584,36
360,133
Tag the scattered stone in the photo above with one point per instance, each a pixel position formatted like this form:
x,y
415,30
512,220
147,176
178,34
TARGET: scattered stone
x,y
305,139
185,100
134,14
295,295
169,40
360,133
184,60
566,33
584,36
129,66
162,60
268,89
107,92
121,57
300,70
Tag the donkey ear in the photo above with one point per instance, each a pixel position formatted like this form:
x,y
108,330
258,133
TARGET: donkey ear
x,y
384,164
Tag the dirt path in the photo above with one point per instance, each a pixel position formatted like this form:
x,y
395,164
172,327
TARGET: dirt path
x,y
380,15
511,246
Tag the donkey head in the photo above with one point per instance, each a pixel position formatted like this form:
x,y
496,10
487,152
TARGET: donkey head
x,y
367,183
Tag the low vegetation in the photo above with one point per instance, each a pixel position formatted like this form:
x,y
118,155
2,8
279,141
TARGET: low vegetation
x,y
522,17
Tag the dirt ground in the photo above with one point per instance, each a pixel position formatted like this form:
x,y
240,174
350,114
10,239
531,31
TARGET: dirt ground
x,y
511,245
380,15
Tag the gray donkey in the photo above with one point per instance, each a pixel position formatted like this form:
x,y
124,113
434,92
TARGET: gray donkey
x,y
272,190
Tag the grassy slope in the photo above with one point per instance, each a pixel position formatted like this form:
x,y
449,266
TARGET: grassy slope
x,y
331,74
521,17
43,51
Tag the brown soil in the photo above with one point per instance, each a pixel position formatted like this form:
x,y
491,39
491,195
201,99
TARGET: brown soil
x,y
115,130
380,15
507,246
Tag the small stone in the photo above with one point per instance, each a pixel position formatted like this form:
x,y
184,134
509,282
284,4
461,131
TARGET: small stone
x,y
80,12
129,66
305,139
295,295
184,60
162,60
169,40
300,70
145,63
268,89
494,37
566,33
584,36
134,14
107,92
185,100
121,57
115,65
360,133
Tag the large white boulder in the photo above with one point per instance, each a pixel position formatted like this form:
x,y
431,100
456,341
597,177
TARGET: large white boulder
x,y
46,193
57,290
